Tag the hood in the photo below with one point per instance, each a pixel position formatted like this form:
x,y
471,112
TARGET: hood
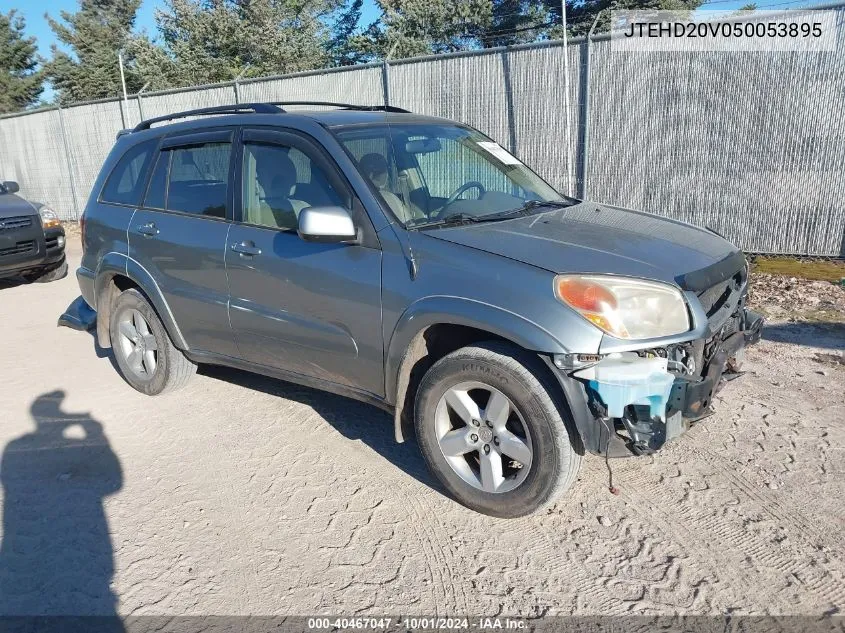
x,y
596,238
12,206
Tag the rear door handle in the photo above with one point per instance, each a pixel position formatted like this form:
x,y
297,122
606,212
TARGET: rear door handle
x,y
246,249
148,230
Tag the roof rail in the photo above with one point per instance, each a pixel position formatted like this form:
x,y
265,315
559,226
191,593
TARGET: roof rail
x,y
344,106
239,108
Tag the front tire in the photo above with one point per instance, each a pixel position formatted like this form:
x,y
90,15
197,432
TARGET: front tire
x,y
489,429
146,356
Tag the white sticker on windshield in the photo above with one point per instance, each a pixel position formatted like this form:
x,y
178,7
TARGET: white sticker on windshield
x,y
499,152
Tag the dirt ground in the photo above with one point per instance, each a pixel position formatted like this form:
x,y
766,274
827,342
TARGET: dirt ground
x,y
242,495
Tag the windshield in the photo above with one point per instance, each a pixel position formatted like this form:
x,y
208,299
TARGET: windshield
x,y
428,174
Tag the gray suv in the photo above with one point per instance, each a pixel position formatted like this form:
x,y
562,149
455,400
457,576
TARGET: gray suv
x,y
413,263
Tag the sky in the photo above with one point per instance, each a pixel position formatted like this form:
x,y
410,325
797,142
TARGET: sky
x,y
36,23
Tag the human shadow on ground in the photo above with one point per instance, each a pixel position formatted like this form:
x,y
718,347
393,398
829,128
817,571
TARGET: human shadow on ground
x,y
56,556
355,420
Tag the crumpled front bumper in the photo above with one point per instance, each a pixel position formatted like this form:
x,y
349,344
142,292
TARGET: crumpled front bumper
x,y
640,419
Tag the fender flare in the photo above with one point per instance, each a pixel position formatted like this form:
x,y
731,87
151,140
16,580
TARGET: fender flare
x,y
113,264
444,309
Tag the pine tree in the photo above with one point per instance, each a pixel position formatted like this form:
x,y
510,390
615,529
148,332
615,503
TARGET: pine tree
x,y
419,27
581,15
95,34
20,80
340,47
207,41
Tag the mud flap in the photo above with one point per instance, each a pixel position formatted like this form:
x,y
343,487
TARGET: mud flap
x,y
78,316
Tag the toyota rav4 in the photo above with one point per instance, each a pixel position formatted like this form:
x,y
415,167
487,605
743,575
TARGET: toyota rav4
x,y
413,263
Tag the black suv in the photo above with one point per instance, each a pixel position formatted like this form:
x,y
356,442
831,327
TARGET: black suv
x,y
32,240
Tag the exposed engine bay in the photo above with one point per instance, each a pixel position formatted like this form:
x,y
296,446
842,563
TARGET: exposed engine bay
x,y
647,397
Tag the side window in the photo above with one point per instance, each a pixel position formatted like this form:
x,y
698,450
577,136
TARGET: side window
x,y
278,182
198,179
125,184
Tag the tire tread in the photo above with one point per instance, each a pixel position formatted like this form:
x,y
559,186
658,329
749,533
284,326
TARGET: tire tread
x,y
534,375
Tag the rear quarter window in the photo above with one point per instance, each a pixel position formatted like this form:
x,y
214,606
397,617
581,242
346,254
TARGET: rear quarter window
x,y
125,184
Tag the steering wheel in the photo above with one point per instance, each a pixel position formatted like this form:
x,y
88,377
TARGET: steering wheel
x,y
473,184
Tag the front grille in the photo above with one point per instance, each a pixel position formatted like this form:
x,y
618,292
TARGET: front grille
x,y
21,248
10,224
721,301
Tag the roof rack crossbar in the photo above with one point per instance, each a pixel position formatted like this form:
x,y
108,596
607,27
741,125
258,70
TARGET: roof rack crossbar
x,y
344,106
239,108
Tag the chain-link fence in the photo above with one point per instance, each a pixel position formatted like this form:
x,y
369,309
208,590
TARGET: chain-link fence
x,y
751,145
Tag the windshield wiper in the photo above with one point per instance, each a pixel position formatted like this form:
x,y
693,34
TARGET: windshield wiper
x,y
454,219
531,205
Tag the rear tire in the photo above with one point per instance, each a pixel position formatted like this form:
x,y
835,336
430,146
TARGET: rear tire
x,y
146,356
519,454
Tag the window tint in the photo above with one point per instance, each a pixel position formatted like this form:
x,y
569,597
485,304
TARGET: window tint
x,y
198,179
125,184
158,183
280,181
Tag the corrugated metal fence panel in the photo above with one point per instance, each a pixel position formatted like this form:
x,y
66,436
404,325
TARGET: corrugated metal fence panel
x,y
32,154
470,89
91,130
749,144
359,86
538,93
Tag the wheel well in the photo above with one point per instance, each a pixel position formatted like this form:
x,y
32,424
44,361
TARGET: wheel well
x,y
112,288
426,348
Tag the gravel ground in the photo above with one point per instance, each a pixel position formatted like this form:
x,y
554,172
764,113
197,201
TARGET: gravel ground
x,y
242,495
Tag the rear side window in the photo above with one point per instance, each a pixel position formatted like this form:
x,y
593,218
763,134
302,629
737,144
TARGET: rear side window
x,y
125,184
192,179
198,180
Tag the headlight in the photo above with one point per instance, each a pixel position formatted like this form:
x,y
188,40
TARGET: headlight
x,y
625,307
49,218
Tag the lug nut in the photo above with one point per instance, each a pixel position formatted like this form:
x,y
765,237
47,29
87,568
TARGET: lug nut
x,y
489,424
496,441
486,449
473,437
476,423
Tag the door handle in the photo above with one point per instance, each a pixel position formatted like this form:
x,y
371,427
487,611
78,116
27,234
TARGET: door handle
x,y
148,230
246,249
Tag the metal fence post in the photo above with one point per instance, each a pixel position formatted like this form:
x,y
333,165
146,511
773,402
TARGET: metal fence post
x,y
236,85
122,116
511,108
69,163
585,112
385,81
140,101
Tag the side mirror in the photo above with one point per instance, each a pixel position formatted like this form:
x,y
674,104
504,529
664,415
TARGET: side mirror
x,y
329,225
11,186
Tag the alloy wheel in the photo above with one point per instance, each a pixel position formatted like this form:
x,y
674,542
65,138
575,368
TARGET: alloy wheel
x,y
138,344
483,437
